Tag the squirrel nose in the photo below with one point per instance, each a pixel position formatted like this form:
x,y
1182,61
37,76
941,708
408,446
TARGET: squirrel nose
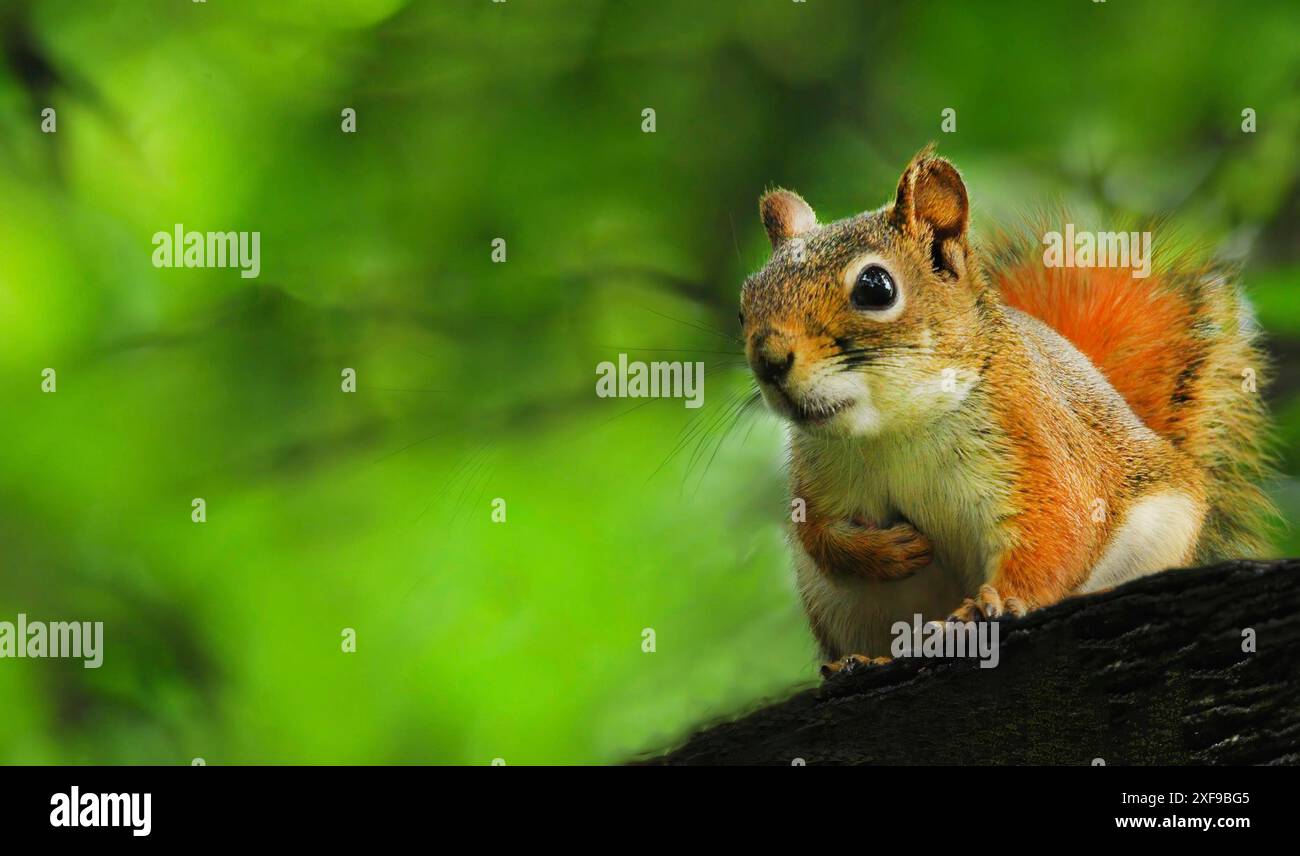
x,y
773,358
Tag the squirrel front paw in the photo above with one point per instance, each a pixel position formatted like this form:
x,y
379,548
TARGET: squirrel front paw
x,y
861,549
988,605
851,663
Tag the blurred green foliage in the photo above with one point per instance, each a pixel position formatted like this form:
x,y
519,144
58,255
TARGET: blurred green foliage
x,y
519,120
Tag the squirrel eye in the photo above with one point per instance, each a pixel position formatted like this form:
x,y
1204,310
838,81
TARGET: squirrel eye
x,y
874,289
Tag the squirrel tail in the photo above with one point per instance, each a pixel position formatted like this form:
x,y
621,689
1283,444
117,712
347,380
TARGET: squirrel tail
x,y
1180,345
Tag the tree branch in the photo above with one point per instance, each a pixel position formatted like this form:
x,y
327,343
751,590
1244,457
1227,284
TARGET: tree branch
x,y
1153,672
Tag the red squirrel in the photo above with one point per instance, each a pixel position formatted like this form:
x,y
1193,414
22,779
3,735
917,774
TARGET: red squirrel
x,y
976,434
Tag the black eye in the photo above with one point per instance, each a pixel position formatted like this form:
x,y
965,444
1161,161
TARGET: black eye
x,y
874,289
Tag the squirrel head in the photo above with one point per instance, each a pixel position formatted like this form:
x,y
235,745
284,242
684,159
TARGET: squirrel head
x,y
865,325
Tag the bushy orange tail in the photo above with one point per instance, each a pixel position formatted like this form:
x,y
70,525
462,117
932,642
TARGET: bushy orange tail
x,y
1180,346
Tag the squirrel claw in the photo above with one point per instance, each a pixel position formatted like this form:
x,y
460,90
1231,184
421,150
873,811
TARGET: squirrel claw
x,y
1015,606
851,663
988,605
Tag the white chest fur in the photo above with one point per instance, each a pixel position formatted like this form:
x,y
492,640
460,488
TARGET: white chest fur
x,y
950,494
943,489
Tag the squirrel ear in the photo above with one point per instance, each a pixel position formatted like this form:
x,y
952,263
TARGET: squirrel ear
x,y
785,215
932,198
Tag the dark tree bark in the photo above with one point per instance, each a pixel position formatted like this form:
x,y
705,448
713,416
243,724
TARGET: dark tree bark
x,y
1153,672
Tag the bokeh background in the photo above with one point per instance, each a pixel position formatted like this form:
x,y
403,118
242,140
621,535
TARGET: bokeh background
x,y
520,120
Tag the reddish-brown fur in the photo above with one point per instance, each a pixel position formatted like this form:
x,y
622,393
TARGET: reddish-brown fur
x,y
1136,331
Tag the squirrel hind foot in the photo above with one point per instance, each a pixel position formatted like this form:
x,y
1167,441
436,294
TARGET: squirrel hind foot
x,y
851,663
989,605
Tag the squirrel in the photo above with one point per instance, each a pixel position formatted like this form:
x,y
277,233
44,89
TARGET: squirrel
x,y
975,434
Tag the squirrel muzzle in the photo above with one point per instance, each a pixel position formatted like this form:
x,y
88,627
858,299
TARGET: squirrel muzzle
x,y
771,356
